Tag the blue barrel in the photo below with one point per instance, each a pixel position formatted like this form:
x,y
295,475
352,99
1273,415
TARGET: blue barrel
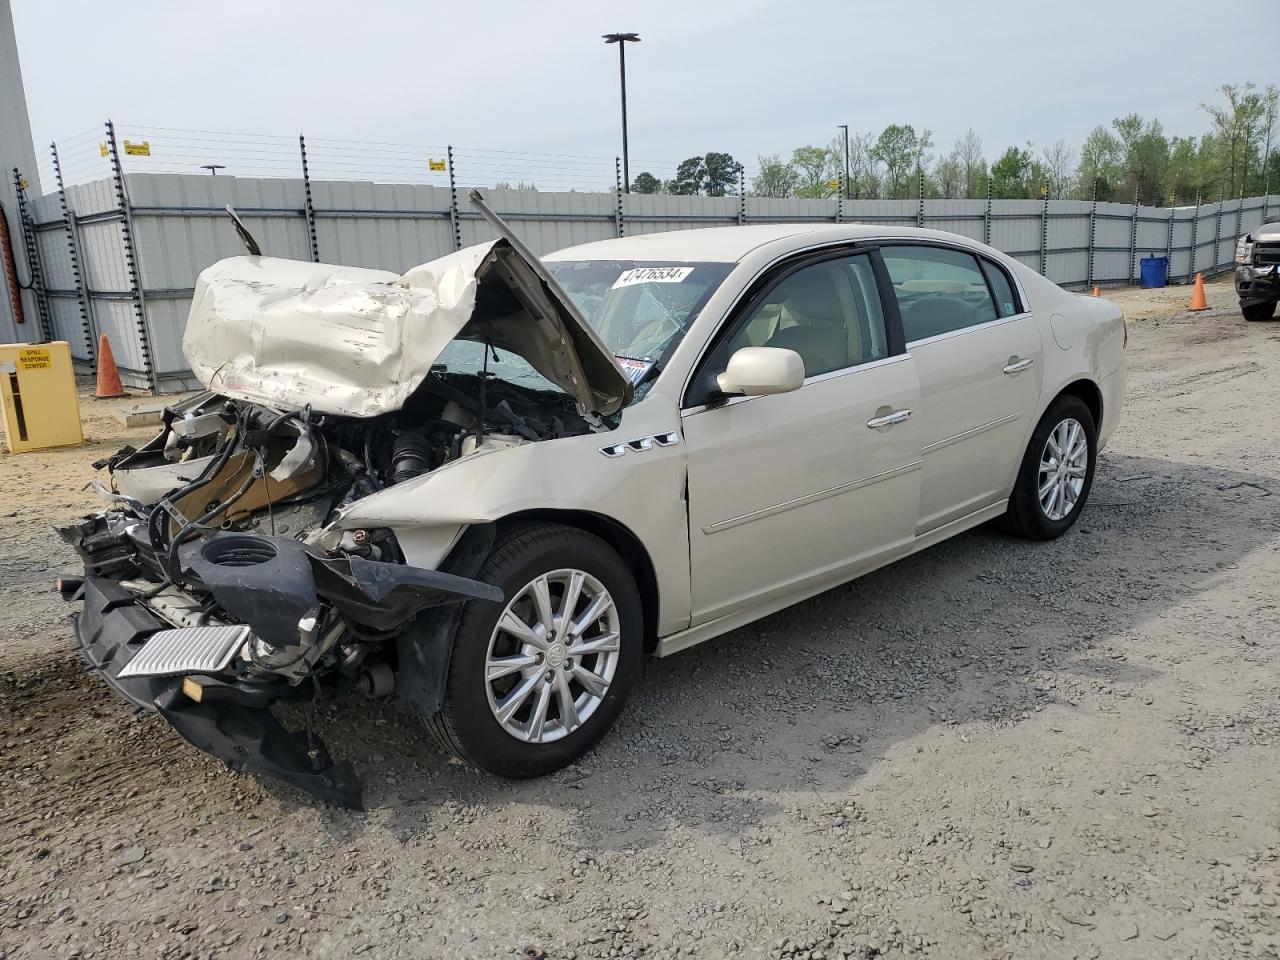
x,y
1155,271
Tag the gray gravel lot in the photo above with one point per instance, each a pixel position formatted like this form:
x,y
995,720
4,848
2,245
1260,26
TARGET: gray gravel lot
x,y
992,749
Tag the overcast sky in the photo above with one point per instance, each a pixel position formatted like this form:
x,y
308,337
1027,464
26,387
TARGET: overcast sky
x,y
749,77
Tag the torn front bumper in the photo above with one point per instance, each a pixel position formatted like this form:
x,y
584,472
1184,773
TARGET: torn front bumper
x,y
232,720
271,585
1257,284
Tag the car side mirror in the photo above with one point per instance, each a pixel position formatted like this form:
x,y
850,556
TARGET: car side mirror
x,y
759,371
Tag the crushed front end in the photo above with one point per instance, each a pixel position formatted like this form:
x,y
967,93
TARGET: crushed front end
x,y
216,584
222,578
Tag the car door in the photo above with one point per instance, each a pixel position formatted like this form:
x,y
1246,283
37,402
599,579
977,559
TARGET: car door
x,y
799,490
977,352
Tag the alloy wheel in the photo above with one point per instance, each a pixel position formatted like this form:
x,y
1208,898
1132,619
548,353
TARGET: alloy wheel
x,y
1064,463
552,656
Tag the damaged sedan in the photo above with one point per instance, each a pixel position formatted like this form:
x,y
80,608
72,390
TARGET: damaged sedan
x,y
489,486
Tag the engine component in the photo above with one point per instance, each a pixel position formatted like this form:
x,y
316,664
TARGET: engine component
x,y
411,455
377,679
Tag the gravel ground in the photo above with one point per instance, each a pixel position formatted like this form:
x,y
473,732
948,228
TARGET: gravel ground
x,y
993,749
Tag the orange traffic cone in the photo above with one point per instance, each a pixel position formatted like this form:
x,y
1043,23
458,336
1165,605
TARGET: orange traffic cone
x,y
109,384
1097,292
1198,301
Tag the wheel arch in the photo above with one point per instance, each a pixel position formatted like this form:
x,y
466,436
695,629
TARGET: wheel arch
x,y
1089,392
622,539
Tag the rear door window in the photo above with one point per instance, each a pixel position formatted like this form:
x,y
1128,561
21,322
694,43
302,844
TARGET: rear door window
x,y
939,290
1001,289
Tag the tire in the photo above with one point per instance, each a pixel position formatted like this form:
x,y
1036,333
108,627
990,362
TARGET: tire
x,y
1258,312
1027,515
467,723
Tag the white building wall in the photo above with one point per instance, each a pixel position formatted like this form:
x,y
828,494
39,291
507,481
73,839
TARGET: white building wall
x,y
16,150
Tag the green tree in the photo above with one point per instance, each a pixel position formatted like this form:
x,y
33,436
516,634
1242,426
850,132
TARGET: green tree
x,y
1009,174
1100,158
1237,124
1182,172
720,173
900,150
689,177
949,175
646,183
775,178
1144,158
816,169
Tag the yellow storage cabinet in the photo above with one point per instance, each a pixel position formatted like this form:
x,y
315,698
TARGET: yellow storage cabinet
x,y
38,402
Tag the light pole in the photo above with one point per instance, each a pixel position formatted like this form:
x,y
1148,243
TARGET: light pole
x,y
845,128
213,168
622,39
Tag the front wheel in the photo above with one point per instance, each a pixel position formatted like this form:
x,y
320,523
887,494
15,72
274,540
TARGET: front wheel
x,y
535,680
1056,472
1258,312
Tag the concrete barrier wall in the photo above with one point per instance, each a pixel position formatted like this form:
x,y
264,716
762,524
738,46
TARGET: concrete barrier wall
x,y
178,226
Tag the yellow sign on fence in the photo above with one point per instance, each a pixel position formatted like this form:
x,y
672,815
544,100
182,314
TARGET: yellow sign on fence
x,y
435,164
142,149
103,149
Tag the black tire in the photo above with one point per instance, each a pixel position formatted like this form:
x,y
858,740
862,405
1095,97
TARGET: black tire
x,y
1258,312
466,724
1025,516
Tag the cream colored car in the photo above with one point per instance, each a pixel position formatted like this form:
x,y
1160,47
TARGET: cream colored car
x,y
490,486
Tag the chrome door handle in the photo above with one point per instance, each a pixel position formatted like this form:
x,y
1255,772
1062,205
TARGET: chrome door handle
x,y
1019,365
889,419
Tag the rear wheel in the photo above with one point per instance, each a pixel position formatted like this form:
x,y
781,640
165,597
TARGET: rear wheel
x,y
1256,312
1056,472
536,680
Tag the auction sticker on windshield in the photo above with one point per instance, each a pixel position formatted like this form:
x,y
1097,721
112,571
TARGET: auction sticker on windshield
x,y
652,275
635,368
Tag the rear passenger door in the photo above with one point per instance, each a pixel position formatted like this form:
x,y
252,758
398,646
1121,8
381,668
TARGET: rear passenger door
x,y
977,351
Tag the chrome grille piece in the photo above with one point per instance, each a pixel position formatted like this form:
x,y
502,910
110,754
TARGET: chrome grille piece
x,y
1266,254
187,650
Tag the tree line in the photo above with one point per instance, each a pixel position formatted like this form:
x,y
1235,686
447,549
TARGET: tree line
x,y
1133,158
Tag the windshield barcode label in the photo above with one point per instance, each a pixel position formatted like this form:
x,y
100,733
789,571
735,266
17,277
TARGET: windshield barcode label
x,y
652,275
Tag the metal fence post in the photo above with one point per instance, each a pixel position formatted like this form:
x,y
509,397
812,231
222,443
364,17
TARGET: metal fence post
x,y
131,259
986,220
1217,233
73,254
308,209
1044,235
742,196
1168,247
1195,233
1133,239
1240,213
34,266
840,208
453,202
920,192
619,226
1093,230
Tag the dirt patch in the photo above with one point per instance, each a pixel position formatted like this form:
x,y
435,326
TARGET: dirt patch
x,y
991,749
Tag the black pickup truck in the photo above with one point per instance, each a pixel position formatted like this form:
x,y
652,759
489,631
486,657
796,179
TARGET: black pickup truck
x,y
1258,270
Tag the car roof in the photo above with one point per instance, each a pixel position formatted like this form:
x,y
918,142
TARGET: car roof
x,y
734,243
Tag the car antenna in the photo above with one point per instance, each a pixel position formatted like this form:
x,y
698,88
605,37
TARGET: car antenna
x,y
246,237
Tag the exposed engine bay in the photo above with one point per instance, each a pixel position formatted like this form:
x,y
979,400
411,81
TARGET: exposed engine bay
x,y
225,521
220,579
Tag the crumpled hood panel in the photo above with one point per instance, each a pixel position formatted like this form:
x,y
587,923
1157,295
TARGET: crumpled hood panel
x,y
358,342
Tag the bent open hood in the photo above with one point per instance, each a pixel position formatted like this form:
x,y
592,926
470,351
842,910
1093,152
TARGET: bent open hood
x,y
358,342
